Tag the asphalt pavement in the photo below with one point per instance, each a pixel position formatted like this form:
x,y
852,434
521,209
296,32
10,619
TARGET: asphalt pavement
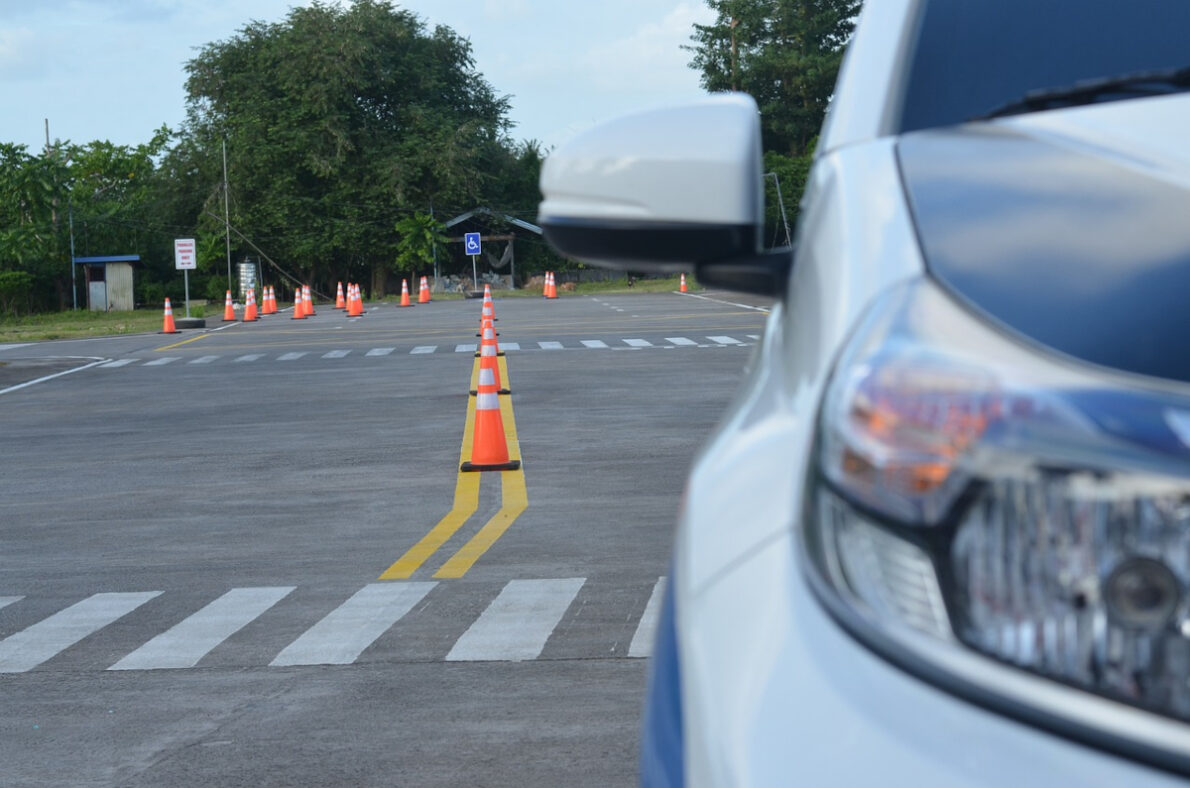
x,y
198,535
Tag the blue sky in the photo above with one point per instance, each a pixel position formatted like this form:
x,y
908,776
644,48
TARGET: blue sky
x,y
113,69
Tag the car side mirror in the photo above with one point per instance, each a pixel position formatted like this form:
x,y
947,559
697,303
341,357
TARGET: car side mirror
x,y
663,191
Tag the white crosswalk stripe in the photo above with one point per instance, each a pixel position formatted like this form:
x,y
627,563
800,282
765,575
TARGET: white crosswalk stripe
x,y
681,341
204,359
291,356
515,625
642,640
250,357
510,345
422,349
466,348
519,621
160,362
550,345
118,363
336,354
380,351
594,343
350,628
30,647
726,340
638,343
183,645
754,336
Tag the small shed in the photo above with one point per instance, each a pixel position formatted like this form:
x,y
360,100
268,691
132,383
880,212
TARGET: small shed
x,y
109,282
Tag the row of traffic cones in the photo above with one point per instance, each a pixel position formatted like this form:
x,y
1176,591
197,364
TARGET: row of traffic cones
x,y
489,446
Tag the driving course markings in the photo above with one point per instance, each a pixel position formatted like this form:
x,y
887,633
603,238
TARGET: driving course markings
x,y
514,499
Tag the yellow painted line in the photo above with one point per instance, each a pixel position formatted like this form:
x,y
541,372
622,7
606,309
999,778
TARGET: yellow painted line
x,y
514,499
465,503
183,342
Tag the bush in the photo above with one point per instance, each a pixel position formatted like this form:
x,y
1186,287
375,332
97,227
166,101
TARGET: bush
x,y
15,289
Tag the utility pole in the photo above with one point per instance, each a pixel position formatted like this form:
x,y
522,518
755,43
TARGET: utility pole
x,y
735,55
226,215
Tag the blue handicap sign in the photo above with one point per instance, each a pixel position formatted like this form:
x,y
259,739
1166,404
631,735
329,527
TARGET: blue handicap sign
x,y
471,243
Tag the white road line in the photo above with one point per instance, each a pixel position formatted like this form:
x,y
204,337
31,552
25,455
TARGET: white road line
x,y
766,310
350,628
726,340
637,343
550,345
191,639
682,341
465,348
335,354
642,641
596,343
518,622
30,647
510,345
422,350
5,601
11,346
250,357
291,356
28,383
160,362
380,351
204,359
118,363
754,336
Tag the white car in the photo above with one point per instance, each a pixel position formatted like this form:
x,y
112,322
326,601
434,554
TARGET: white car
x,y
942,536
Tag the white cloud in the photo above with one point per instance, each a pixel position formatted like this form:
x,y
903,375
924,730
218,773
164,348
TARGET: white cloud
x,y
651,56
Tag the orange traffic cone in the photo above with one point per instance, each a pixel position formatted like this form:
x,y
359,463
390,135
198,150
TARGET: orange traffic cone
x,y
167,326
339,302
488,350
488,339
250,313
423,292
682,286
489,448
229,310
356,307
552,286
270,304
307,301
404,293
298,312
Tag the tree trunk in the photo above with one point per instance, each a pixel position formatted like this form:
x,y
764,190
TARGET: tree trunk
x,y
379,275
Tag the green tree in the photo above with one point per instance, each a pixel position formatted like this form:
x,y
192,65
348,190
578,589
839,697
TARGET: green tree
x,y
336,119
422,238
785,53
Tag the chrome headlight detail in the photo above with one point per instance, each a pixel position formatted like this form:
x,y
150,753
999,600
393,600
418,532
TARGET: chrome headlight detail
x,y
977,499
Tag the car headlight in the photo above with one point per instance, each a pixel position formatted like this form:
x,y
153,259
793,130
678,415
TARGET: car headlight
x,y
1009,522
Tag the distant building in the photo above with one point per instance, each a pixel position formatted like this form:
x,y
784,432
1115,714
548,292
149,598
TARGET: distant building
x,y
109,282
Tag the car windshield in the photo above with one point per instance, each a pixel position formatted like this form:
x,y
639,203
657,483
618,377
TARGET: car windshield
x,y
973,56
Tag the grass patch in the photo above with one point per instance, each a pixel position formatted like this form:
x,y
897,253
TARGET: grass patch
x,y
82,324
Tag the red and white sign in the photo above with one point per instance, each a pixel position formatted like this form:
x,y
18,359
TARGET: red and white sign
x,y
184,256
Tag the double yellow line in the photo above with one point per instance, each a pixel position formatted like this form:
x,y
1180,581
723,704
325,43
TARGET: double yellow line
x,y
514,499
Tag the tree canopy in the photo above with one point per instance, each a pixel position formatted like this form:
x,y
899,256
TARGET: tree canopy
x,y
339,121
785,53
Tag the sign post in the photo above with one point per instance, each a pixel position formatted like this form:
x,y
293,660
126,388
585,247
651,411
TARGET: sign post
x,y
185,261
471,246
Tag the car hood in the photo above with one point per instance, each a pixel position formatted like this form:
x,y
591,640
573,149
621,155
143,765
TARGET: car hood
x,y
1071,227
